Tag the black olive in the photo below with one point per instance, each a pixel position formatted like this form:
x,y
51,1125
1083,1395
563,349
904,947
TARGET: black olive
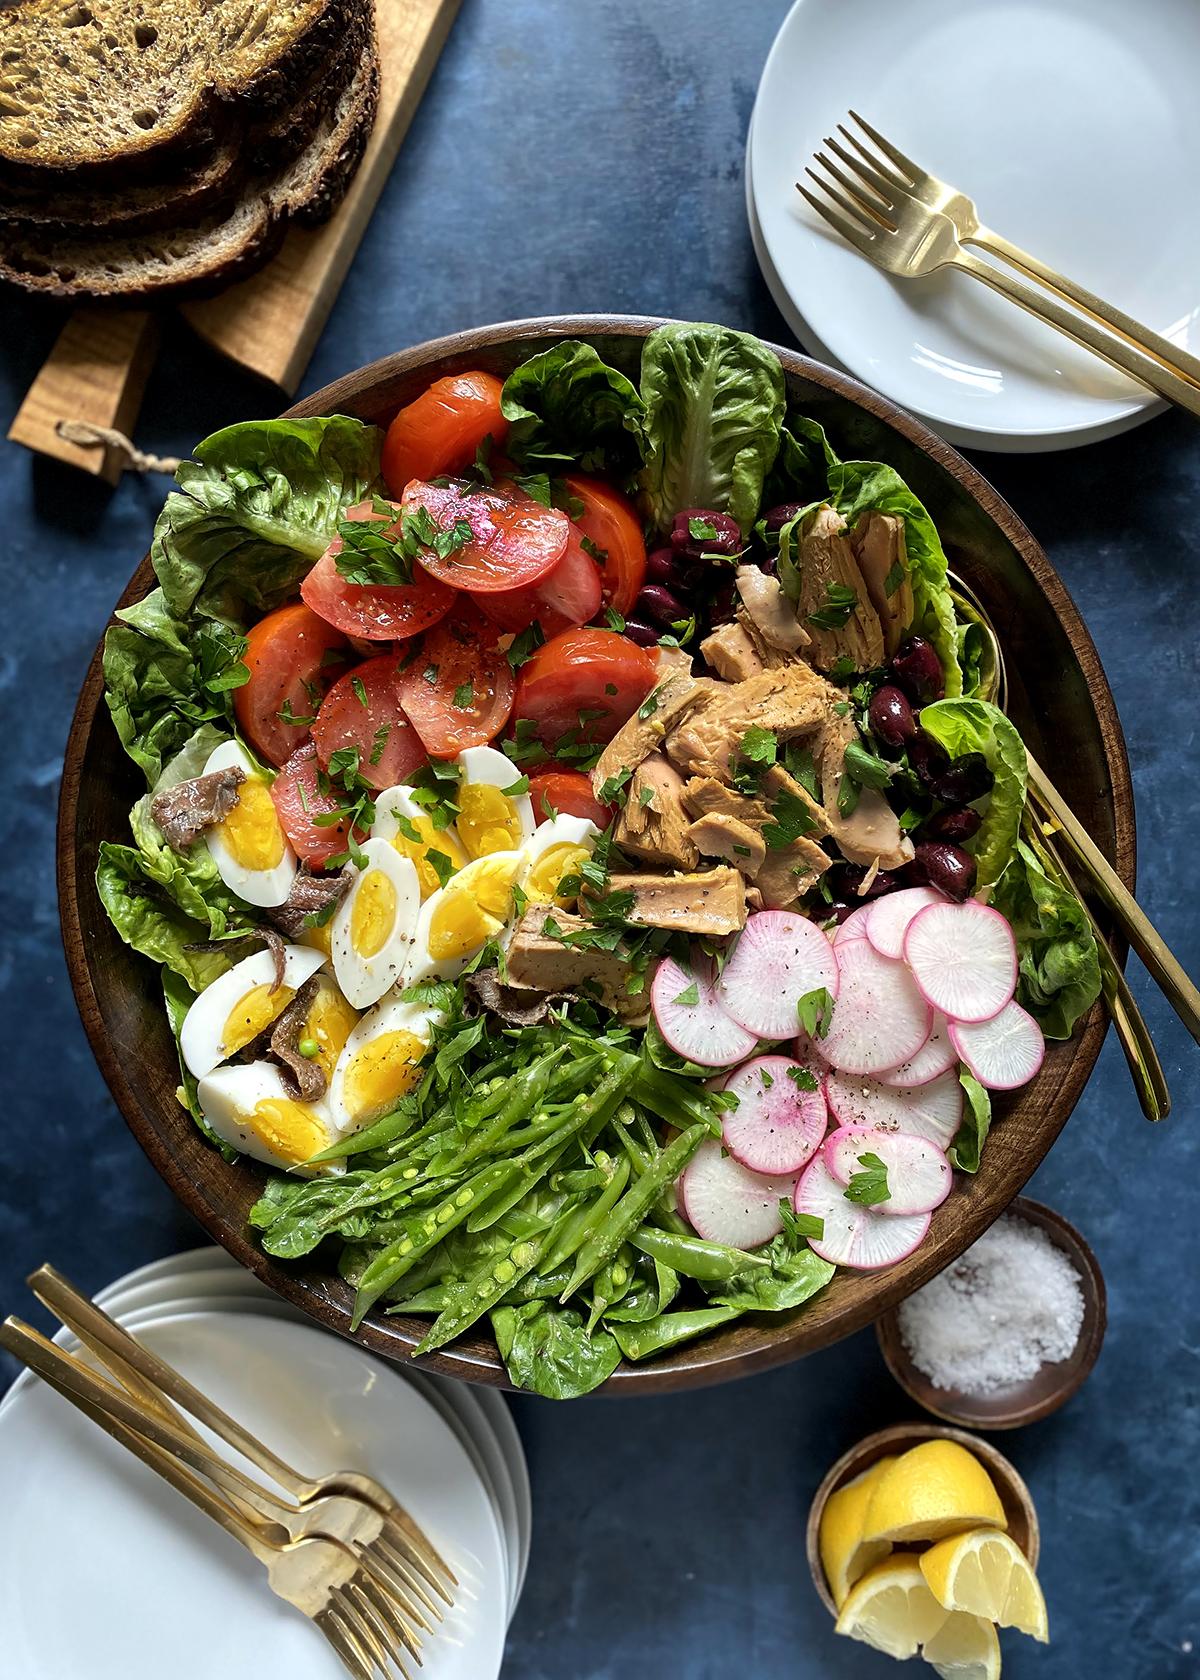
x,y
938,864
845,879
726,540
928,758
645,635
778,517
965,779
917,670
891,717
655,602
953,825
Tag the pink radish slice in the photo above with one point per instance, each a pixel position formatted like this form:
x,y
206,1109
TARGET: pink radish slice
x,y
855,925
880,1018
780,958
854,1235
807,1052
918,1173
964,959
890,916
702,1031
1004,1052
776,1127
936,1056
726,1203
933,1111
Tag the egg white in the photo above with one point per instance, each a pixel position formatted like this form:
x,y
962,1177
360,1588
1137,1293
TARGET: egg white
x,y
487,767
397,803
263,887
390,1015
229,1097
201,1039
362,978
422,964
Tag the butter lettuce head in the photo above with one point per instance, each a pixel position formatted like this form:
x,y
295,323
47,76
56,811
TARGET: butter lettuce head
x,y
1059,976
976,726
566,403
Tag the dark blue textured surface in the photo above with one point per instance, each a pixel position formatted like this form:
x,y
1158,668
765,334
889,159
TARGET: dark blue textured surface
x,y
588,156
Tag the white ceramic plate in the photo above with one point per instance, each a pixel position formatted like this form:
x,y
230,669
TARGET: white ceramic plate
x,y
158,1589
1075,127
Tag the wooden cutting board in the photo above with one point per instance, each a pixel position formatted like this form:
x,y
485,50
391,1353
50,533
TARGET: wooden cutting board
x,y
98,368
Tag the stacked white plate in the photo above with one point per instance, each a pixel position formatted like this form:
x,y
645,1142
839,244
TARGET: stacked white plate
x,y
107,1571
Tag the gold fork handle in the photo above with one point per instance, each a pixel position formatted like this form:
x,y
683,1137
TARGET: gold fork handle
x,y
1121,355
1141,337
1137,927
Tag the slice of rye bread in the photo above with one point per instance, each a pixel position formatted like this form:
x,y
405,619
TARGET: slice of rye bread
x,y
200,260
211,189
119,90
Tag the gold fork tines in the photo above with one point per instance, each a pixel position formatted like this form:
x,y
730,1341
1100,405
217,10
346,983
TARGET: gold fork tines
x,y
910,224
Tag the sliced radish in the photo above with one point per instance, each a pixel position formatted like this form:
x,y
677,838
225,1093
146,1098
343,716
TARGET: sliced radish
x,y
1004,1052
935,1057
855,925
890,916
964,958
855,1235
933,1110
807,1052
776,1127
880,1018
727,1203
701,1031
780,958
918,1173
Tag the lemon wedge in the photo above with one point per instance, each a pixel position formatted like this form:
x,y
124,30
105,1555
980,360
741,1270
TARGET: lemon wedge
x,y
844,1556
987,1574
964,1648
892,1608
935,1489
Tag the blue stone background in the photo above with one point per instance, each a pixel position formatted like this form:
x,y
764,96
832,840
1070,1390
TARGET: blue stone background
x,y
588,156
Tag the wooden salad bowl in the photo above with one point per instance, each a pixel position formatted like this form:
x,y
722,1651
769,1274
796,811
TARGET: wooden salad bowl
x,y
1059,699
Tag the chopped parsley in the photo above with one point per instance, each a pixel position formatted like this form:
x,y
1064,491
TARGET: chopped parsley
x,y
869,1187
790,820
649,705
615,621
689,997
372,556
599,555
893,580
803,1078
360,692
525,645
865,767
840,602
646,797
521,785
380,742
815,1010
701,530
464,695
441,865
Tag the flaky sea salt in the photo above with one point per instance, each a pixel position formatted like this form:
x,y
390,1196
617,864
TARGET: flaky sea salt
x,y
1011,1304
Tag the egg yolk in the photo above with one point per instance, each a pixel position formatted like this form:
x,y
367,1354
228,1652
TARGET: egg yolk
x,y
487,821
555,863
251,830
428,840
381,1073
473,909
290,1130
373,913
250,1014
318,939
330,1022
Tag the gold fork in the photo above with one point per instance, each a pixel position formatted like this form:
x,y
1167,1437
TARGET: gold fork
x,y
910,224
324,1580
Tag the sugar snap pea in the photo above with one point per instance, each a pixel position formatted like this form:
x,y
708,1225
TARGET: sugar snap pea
x,y
484,1289
656,1335
523,1095
585,1219
711,1262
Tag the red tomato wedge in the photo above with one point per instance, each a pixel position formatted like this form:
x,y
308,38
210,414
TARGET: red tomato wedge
x,y
298,801
514,539
363,710
286,653
610,521
568,792
380,612
458,691
567,596
441,432
585,670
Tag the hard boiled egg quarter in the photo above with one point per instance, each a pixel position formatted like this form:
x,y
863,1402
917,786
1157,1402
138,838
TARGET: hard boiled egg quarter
x,y
409,828
490,820
473,907
236,1007
374,925
381,1062
248,846
555,853
247,1106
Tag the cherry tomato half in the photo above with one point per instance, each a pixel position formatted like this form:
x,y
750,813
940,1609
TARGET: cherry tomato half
x,y
378,612
567,596
442,430
298,801
363,710
610,521
585,670
514,539
289,672
569,792
458,691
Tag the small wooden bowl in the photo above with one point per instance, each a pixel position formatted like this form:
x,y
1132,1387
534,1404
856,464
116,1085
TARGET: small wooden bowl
x,y
1047,1389
1014,1495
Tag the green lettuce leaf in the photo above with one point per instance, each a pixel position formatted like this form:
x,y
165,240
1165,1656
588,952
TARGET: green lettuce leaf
x,y
1059,967
964,726
256,508
967,1148
151,922
801,470
714,408
548,1350
179,998
567,403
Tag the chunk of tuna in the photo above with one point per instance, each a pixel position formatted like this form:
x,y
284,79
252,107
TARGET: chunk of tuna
x,y
788,702
773,615
732,654
653,825
725,837
712,903
826,558
878,544
546,963
640,735
872,830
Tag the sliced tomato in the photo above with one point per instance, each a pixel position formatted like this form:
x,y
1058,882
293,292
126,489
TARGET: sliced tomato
x,y
293,657
442,431
569,792
585,670
610,521
298,800
379,612
567,596
363,710
458,691
514,539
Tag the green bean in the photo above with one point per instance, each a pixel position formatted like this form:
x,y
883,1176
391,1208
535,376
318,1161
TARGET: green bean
x,y
656,1335
710,1262
639,1158
579,1178
435,1299
394,1125
630,1211
612,1284
484,1289
585,1219
522,1097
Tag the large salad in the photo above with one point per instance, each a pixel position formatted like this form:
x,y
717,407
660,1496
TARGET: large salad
x,y
581,850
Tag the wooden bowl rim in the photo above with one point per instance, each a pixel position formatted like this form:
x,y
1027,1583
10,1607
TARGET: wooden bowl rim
x,y
1080,1362
396,1337
864,1453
